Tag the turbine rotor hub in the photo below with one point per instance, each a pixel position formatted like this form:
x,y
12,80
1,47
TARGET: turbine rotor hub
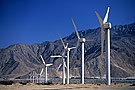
x,y
64,56
82,40
68,49
107,25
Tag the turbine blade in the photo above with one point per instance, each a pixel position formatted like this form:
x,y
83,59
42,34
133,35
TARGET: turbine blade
x,y
59,67
42,59
102,41
75,50
106,16
41,71
63,54
48,65
71,48
66,45
58,56
89,40
65,65
99,18
76,30
62,42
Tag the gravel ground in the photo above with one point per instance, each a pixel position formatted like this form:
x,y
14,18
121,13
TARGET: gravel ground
x,y
31,86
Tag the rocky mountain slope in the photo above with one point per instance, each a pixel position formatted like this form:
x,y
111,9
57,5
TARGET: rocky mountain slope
x,y
20,60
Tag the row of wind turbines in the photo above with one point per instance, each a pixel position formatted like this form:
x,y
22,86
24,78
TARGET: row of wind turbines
x,y
65,56
37,78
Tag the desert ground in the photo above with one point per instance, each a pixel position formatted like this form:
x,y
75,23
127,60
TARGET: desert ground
x,y
31,86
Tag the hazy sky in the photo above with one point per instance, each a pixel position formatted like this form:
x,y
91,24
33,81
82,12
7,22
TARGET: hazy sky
x,y
36,21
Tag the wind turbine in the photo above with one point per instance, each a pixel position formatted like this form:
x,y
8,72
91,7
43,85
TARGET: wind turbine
x,y
105,26
33,76
82,41
45,68
40,75
63,64
68,56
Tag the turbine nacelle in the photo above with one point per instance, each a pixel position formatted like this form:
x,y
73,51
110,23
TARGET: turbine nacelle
x,y
82,40
107,25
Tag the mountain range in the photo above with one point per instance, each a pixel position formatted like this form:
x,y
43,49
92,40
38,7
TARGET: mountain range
x,y
20,60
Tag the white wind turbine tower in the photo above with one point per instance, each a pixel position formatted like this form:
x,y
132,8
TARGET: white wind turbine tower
x,y
105,26
82,41
45,68
63,64
68,56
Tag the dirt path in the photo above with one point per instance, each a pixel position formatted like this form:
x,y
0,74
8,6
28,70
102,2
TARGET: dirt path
x,y
29,86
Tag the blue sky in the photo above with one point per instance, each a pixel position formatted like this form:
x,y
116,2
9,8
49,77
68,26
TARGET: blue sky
x,y
36,21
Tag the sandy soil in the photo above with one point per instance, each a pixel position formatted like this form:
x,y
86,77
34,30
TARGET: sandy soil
x,y
31,86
